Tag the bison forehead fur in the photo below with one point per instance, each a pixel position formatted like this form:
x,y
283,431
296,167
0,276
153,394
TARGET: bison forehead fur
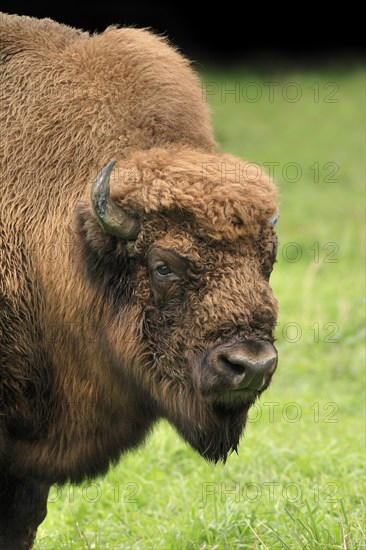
x,y
100,334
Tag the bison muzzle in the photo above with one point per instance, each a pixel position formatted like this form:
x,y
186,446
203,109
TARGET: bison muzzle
x,y
134,262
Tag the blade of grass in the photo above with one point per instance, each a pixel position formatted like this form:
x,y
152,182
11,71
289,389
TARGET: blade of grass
x,y
257,536
312,519
285,545
80,533
298,521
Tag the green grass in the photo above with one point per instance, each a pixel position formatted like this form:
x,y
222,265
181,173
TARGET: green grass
x,y
298,481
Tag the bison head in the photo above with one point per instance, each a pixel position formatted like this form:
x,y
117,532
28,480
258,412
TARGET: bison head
x,y
183,247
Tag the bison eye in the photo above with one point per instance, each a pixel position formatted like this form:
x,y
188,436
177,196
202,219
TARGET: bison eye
x,y
164,270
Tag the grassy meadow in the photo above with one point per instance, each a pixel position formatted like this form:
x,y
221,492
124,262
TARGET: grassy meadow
x,y
299,479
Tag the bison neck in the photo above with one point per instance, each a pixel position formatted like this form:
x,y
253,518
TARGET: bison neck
x,y
78,410
83,431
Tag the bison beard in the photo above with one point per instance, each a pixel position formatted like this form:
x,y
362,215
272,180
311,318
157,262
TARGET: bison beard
x,y
218,436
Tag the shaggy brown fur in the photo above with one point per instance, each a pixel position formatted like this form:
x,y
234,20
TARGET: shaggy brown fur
x,y
92,350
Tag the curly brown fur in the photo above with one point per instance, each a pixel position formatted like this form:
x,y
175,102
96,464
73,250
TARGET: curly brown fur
x,y
92,351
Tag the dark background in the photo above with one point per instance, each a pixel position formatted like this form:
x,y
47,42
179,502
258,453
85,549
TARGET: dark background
x,y
299,34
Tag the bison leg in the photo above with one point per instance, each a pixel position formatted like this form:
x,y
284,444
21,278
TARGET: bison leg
x,y
23,506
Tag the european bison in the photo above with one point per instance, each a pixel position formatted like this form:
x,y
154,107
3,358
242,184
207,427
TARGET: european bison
x,y
131,290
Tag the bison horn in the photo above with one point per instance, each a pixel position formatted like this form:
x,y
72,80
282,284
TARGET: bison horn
x,y
112,218
274,219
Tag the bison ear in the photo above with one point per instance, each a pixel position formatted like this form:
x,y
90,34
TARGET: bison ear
x,y
111,218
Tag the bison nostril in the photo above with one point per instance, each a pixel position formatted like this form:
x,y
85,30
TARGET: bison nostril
x,y
237,367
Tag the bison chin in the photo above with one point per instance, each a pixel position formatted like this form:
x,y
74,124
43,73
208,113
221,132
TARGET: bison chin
x,y
212,430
